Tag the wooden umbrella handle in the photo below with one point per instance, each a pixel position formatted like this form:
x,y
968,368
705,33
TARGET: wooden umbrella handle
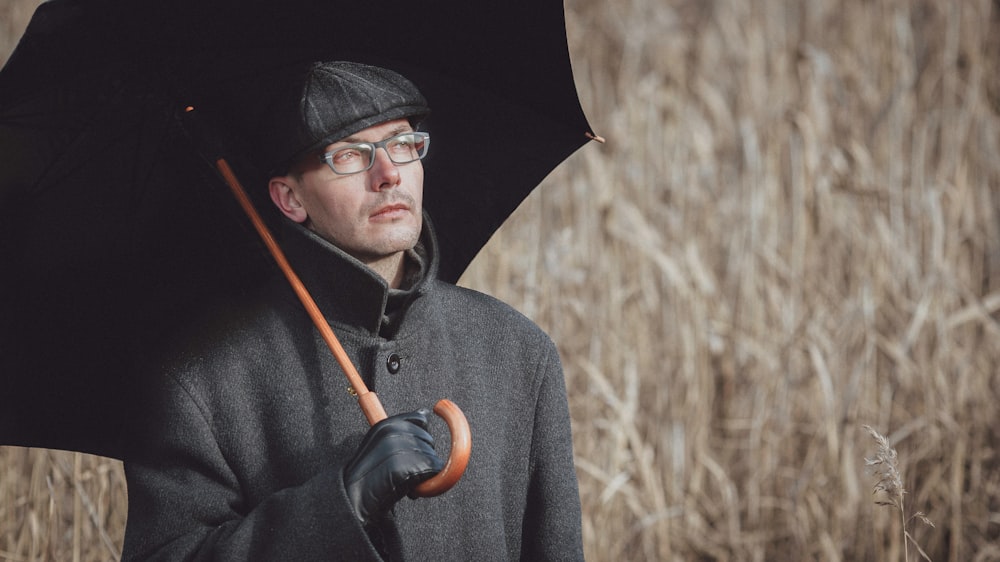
x,y
461,436
461,442
458,458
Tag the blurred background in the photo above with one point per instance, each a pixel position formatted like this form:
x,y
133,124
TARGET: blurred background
x,y
792,232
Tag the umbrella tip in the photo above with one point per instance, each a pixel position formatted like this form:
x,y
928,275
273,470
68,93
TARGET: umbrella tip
x,y
594,137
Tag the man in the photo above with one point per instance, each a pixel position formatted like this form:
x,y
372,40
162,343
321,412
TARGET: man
x,y
252,449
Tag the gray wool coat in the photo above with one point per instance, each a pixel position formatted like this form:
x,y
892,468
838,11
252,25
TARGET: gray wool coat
x,y
246,428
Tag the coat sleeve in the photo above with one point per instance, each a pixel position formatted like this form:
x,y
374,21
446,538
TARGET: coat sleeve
x,y
185,503
552,529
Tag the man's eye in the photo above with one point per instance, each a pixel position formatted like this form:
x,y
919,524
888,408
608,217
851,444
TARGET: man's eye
x,y
402,143
347,155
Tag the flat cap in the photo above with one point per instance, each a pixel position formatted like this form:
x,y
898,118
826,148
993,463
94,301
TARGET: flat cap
x,y
327,101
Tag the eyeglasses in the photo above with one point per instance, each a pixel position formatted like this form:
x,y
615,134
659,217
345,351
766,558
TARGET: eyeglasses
x,y
356,158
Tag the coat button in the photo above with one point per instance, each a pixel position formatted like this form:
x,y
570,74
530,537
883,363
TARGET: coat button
x,y
393,363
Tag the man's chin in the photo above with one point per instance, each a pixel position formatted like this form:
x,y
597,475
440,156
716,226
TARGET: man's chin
x,y
389,241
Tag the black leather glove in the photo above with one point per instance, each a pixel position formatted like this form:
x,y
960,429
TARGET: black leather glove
x,y
396,454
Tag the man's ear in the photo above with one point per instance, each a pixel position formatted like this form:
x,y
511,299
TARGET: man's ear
x,y
285,198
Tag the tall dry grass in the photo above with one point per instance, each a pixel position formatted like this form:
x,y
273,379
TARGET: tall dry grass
x,y
56,505
792,233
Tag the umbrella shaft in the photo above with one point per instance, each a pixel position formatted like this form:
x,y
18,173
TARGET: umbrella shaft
x,y
458,425
368,401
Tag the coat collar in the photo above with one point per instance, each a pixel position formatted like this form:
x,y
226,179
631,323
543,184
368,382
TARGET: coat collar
x,y
348,292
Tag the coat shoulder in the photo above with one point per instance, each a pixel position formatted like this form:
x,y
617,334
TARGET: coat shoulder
x,y
480,319
474,306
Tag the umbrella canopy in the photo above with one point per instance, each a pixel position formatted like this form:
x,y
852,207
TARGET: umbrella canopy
x,y
113,228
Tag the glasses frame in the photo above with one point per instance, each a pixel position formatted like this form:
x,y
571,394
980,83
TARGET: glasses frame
x,y
327,157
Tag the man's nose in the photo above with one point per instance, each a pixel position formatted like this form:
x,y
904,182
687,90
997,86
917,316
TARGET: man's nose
x,y
385,170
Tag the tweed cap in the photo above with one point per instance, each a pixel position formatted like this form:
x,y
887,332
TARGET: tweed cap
x,y
328,101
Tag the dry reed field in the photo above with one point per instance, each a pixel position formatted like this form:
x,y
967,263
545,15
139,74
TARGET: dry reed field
x,y
792,233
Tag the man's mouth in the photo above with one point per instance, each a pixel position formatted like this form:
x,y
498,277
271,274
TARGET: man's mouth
x,y
391,211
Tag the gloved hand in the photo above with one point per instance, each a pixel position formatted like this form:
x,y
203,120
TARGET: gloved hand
x,y
396,454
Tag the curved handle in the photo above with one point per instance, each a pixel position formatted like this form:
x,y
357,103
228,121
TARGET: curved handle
x,y
458,458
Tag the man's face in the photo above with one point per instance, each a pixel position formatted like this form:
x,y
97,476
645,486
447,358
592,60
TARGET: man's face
x,y
371,215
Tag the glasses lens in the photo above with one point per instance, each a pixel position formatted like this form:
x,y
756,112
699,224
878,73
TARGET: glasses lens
x,y
406,147
356,158
352,159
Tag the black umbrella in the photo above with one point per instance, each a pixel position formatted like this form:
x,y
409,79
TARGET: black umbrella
x,y
111,225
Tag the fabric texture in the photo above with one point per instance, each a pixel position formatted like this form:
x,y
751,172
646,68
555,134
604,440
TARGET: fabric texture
x,y
326,102
249,424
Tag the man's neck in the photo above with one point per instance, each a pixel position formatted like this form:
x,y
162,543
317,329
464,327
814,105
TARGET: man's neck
x,y
391,268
